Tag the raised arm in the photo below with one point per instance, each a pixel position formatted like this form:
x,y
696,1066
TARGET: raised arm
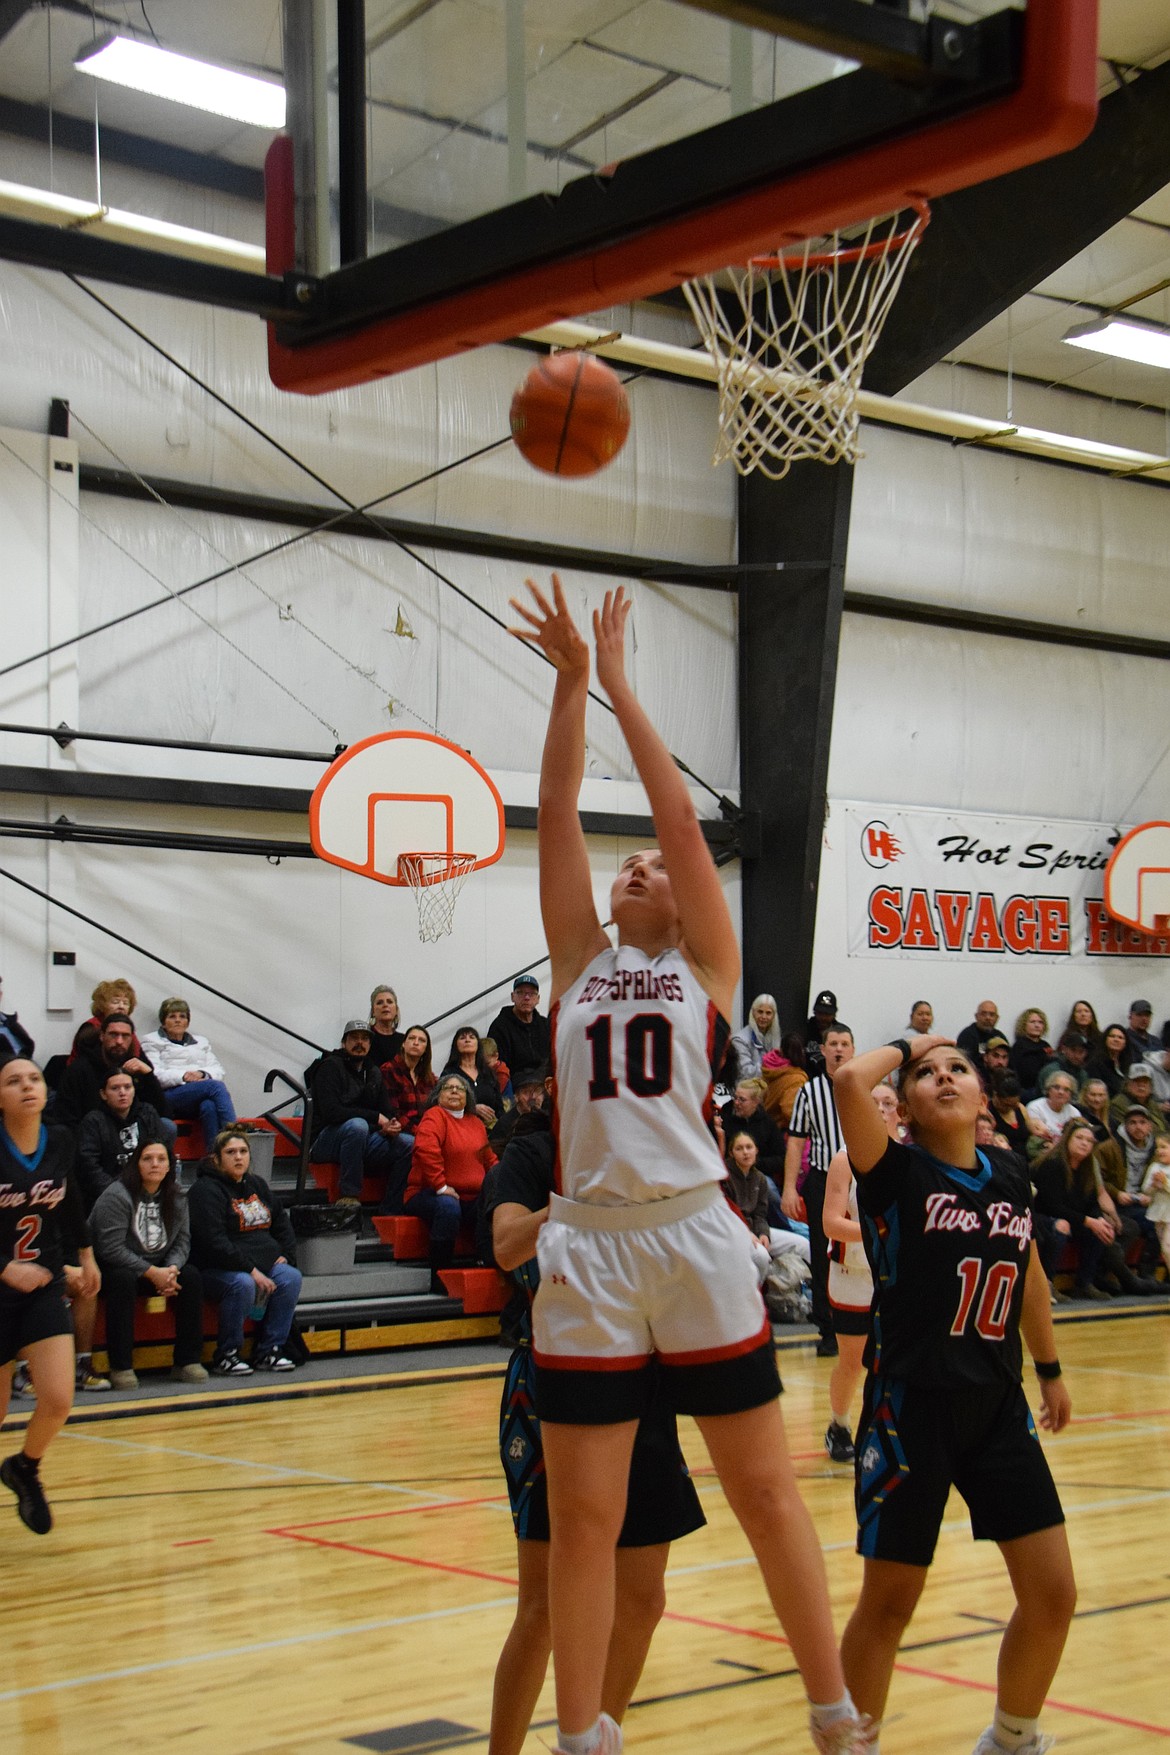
x,y
835,1217
571,926
708,935
865,1133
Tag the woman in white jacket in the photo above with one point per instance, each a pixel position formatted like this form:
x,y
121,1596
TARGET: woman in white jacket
x,y
190,1075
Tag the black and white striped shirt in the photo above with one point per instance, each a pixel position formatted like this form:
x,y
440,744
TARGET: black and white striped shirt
x,y
814,1117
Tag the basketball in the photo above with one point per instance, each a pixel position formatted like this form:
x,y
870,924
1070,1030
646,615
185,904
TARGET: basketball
x,y
571,415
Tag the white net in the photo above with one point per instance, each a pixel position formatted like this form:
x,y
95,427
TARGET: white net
x,y
436,879
790,335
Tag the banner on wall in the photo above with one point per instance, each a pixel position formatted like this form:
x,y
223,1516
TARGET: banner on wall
x,y
953,885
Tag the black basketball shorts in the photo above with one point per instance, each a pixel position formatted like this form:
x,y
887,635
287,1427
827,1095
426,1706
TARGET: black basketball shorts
x,y
26,1317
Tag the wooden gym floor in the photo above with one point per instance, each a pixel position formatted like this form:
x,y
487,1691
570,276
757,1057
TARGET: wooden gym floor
x,y
315,1573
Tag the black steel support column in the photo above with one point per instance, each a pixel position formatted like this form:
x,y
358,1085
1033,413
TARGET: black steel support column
x,y
789,626
351,129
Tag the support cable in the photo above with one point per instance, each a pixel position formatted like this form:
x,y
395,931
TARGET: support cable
x,y
163,963
726,805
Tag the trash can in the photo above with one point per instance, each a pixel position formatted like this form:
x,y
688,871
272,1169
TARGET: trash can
x,y
261,1148
326,1238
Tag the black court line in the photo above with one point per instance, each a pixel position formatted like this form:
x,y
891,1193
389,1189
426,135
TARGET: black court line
x,y
752,1669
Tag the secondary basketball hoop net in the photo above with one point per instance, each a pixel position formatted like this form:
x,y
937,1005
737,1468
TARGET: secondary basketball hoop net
x,y
436,879
790,335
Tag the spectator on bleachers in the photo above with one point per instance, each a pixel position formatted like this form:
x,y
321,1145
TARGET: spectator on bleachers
x,y
759,1034
14,1038
1005,1100
531,1097
921,1019
1137,1093
519,1031
974,1037
108,999
783,1073
749,1116
746,1186
190,1075
1030,1052
1157,1189
499,1070
385,1036
355,1124
996,1059
1140,1038
451,1158
1124,1167
1072,1051
824,1016
142,1240
467,1057
242,1242
408,1080
1111,1059
1067,1191
1083,1019
110,1050
1158,1065
1054,1108
110,1135
1093,1104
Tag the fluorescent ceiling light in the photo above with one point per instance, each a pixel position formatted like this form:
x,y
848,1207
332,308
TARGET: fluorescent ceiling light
x,y
143,67
1124,340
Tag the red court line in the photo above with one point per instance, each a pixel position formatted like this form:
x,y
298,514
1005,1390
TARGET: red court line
x,y
1135,1414
400,1559
195,1542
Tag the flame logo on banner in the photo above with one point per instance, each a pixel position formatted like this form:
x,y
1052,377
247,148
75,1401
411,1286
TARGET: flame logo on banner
x,y
879,847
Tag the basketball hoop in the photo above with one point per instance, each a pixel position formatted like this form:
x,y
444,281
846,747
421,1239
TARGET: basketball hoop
x,y
436,879
790,335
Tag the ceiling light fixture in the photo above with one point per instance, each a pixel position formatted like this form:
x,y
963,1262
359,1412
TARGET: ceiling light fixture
x,y
161,73
1124,340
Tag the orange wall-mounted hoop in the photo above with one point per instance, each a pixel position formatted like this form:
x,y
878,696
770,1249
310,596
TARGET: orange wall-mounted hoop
x,y
1052,110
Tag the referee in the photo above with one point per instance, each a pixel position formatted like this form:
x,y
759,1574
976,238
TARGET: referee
x,y
814,1118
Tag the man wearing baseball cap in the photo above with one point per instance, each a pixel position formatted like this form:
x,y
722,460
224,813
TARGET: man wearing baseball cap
x,y
1142,1041
1138,1093
520,1032
354,1124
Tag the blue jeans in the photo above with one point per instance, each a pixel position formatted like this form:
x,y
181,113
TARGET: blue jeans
x,y
209,1099
362,1151
442,1215
235,1293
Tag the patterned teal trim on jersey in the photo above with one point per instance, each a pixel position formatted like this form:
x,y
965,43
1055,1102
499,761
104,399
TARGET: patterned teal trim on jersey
x,y
521,1451
30,1160
973,1183
881,1464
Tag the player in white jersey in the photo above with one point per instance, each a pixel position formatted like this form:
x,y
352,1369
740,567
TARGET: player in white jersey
x,y
642,1258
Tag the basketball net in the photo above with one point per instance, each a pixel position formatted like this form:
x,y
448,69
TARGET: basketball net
x,y
436,879
790,335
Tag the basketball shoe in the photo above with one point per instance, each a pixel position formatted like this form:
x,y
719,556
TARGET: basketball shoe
x,y
849,1736
1036,1745
611,1738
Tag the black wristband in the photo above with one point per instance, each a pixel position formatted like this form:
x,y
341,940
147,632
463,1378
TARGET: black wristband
x,y
903,1047
1046,1371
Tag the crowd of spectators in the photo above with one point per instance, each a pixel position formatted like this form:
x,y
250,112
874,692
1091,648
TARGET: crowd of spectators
x,y
1090,1111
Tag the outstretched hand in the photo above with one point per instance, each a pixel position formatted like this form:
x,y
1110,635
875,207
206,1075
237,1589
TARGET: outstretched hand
x,y
609,633
552,628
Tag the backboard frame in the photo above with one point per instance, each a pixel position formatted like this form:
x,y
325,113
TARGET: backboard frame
x,y
856,146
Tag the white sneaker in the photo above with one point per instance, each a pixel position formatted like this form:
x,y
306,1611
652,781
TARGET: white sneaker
x,y
611,1738
849,1736
1036,1745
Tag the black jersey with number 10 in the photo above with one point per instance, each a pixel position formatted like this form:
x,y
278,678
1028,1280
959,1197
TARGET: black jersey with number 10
x,y
949,1251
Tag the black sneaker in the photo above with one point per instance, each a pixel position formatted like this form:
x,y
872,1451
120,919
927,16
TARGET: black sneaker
x,y
273,1361
31,1503
838,1443
230,1365
827,1347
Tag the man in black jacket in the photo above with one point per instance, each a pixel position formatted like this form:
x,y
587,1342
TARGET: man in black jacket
x,y
81,1083
353,1123
520,1032
110,1134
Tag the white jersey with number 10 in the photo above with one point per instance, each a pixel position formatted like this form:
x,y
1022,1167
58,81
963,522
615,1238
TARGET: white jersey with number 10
x,y
636,1043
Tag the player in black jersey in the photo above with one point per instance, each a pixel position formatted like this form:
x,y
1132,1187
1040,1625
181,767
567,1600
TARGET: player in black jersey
x,y
41,1225
948,1231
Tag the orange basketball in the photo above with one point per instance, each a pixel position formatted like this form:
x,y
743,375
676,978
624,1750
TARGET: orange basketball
x,y
570,416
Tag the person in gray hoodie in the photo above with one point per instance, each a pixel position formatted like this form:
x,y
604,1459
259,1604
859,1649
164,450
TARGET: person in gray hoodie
x,y
142,1240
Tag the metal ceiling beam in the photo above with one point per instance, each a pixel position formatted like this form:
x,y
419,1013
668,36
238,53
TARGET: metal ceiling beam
x,y
989,245
75,134
11,13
